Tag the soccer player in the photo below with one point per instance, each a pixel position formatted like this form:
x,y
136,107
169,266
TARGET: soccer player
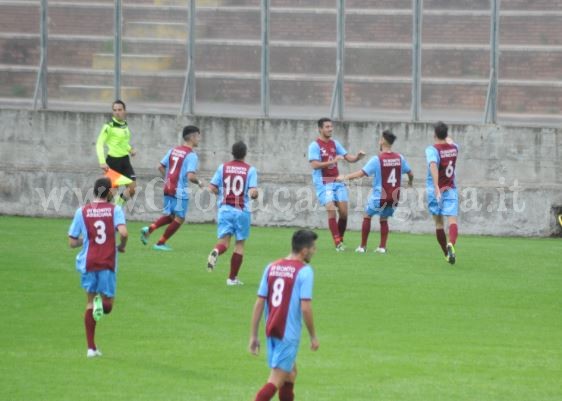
x,y
285,293
93,228
235,182
442,194
116,135
324,154
386,169
178,166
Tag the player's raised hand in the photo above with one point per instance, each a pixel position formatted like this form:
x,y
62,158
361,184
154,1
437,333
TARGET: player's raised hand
x,y
361,154
314,344
254,346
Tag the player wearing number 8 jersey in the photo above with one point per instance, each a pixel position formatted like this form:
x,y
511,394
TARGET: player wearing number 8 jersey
x,y
235,183
285,294
179,166
386,169
442,196
93,228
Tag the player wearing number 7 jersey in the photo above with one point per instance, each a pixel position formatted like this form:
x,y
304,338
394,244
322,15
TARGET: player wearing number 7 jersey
x,y
235,183
179,166
93,228
285,294
442,196
386,169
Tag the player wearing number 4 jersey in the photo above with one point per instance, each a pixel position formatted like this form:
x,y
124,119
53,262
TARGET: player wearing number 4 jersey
x,y
285,294
386,169
442,196
93,228
179,166
235,183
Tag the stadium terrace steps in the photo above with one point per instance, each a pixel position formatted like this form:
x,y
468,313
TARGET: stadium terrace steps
x,y
98,93
133,62
161,30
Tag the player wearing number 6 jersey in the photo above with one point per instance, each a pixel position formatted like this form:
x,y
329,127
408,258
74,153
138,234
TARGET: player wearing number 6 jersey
x,y
179,166
285,294
386,169
442,196
93,228
235,183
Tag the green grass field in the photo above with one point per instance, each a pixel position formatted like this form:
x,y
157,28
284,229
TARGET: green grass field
x,y
401,326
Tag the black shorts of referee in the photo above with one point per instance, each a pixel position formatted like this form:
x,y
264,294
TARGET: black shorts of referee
x,y
122,165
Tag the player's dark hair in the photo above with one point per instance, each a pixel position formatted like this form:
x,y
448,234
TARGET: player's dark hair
x,y
322,121
102,187
388,136
303,239
189,130
119,101
239,150
441,130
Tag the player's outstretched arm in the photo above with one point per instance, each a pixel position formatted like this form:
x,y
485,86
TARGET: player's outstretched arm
x,y
254,346
354,158
192,177
306,308
316,164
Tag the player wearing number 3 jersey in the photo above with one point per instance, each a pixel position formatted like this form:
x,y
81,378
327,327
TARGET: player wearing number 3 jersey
x,y
442,196
285,294
178,167
235,183
93,228
386,169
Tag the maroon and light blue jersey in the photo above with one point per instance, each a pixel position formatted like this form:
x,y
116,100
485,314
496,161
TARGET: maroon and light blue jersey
x,y
284,284
386,169
179,162
97,223
233,180
325,151
445,156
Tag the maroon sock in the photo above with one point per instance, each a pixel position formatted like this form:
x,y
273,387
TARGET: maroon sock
x,y
266,393
442,239
384,233
365,229
221,248
286,392
235,263
170,230
335,230
107,307
342,225
162,221
453,233
90,325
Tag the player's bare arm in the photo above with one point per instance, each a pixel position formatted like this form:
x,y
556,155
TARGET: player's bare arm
x,y
75,242
316,164
306,308
435,178
104,167
352,176
254,346
192,177
410,179
124,235
133,152
354,158
162,170
212,188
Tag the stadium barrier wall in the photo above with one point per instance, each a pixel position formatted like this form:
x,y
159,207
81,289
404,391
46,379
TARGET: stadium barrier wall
x,y
508,178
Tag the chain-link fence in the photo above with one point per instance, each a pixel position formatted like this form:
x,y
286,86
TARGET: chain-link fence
x,y
404,60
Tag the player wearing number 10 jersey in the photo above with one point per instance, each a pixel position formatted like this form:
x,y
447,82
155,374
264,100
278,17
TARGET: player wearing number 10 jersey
x,y
442,196
386,169
285,294
235,182
179,166
93,228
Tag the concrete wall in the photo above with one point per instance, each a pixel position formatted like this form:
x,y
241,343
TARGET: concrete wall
x,y
509,177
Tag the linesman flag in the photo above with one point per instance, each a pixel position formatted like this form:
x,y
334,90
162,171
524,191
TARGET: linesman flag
x,y
117,179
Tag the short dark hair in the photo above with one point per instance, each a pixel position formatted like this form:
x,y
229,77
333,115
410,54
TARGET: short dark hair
x,y
441,130
388,136
239,150
119,101
322,121
102,187
303,239
189,130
